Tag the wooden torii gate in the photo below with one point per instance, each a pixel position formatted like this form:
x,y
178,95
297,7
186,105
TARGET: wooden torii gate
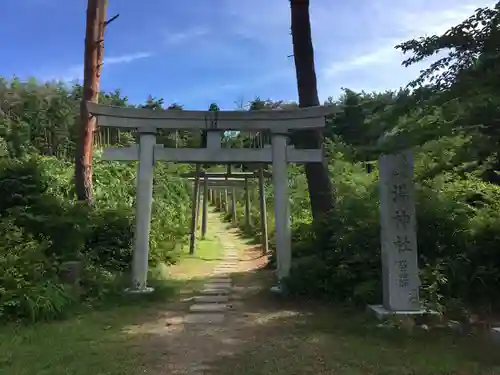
x,y
278,122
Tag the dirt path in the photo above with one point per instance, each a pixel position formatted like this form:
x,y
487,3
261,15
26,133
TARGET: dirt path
x,y
204,328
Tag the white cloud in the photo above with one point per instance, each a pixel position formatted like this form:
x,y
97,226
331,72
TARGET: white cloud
x,y
183,36
75,73
353,41
125,59
381,55
379,62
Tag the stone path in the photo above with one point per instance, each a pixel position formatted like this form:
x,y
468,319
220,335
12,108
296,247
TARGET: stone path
x,y
213,301
209,325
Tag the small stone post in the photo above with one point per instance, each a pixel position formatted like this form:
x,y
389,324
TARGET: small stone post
x,y
195,210
263,213
205,208
248,221
233,206
226,200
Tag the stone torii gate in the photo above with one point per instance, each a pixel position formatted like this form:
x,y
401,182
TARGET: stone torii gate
x,y
147,122
208,195
223,184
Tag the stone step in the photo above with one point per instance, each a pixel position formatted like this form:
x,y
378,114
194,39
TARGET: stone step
x,y
213,285
211,299
227,269
224,270
204,318
220,280
208,307
215,292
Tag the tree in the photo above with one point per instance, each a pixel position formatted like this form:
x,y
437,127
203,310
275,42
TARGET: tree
x,y
93,58
318,179
459,92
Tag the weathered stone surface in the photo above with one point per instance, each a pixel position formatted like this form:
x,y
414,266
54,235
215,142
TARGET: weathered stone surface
x,y
208,307
220,280
215,292
205,318
495,334
398,233
225,269
213,285
211,299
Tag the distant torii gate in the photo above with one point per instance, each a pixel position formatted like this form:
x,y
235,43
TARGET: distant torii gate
x,y
235,175
278,122
225,182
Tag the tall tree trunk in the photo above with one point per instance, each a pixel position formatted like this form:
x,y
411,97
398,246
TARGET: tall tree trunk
x,y
94,48
318,180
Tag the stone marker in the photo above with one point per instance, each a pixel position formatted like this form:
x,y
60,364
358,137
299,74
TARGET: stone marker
x,y
208,307
204,318
70,273
400,278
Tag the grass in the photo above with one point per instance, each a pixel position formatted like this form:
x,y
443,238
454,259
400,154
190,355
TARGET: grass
x,y
297,337
94,343
207,253
98,342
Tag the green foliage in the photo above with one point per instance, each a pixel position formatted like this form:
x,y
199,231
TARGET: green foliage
x,y
42,226
29,287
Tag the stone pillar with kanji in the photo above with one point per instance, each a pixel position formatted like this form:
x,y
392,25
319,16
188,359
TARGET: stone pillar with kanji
x,y
400,277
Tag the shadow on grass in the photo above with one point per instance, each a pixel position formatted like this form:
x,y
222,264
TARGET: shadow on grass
x,y
296,336
98,339
265,334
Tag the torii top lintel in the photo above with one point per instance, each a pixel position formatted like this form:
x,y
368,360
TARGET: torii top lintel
x,y
275,120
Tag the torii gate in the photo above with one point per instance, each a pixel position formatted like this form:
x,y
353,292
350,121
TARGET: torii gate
x,y
208,196
209,183
147,122
223,184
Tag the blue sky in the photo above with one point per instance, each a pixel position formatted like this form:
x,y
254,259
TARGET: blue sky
x,y
195,52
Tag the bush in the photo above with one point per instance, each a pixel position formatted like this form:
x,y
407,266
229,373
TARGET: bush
x,y
43,227
457,240
29,287
109,241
